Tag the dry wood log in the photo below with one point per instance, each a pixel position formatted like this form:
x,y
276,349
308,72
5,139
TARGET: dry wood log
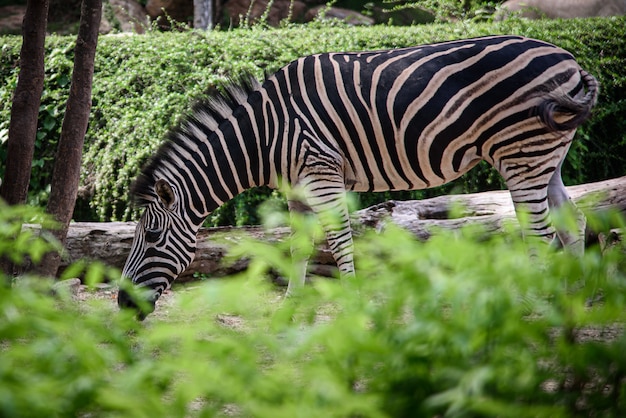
x,y
111,242
489,209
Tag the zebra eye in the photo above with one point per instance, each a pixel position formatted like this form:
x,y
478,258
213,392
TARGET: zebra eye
x,y
153,234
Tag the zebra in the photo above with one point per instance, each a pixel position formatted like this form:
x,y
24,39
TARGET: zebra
x,y
399,119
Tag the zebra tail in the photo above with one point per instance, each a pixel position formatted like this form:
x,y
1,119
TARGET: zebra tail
x,y
579,107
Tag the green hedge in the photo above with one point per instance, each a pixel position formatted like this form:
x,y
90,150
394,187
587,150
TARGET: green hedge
x,y
144,84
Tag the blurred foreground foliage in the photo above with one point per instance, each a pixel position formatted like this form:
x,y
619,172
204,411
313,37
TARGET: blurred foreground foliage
x,y
461,325
144,84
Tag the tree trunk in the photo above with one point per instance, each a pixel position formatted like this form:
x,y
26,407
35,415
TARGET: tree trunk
x,y
25,110
66,175
203,14
25,107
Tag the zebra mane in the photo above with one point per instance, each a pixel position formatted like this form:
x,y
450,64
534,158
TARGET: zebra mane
x,y
209,112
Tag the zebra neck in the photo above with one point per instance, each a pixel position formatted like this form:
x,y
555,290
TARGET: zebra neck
x,y
227,160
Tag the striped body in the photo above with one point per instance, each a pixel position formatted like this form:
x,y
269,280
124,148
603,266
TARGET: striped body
x,y
401,119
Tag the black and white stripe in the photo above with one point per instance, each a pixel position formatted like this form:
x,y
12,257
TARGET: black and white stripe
x,y
400,119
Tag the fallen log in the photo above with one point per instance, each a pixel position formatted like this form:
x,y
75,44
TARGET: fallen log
x,y
110,242
488,209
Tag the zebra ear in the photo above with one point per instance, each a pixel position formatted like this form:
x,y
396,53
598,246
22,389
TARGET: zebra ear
x,y
166,194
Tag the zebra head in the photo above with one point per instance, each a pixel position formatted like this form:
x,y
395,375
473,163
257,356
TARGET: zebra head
x,y
163,247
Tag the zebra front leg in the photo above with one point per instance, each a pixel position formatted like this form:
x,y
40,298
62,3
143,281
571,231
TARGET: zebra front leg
x,y
301,246
332,210
321,182
333,215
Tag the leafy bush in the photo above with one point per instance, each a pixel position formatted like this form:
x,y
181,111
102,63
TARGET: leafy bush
x,y
17,245
144,84
452,327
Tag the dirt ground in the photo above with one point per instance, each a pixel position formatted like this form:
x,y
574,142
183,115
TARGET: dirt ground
x,y
108,293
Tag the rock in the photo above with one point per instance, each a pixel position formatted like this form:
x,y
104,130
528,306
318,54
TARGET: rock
x,y
345,15
166,10
64,14
120,15
553,9
123,16
236,10
70,286
402,17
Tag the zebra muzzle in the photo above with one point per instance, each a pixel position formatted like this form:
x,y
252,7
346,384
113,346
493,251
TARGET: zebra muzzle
x,y
141,305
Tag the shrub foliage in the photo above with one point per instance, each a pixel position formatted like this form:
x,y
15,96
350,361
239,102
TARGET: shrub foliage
x,y
452,327
144,84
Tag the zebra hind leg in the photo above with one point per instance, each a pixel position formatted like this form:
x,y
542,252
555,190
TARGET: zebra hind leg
x,y
531,207
536,187
572,238
527,181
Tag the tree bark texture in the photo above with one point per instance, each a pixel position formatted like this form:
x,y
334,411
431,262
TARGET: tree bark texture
x,y
66,174
25,106
111,242
25,111
203,14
